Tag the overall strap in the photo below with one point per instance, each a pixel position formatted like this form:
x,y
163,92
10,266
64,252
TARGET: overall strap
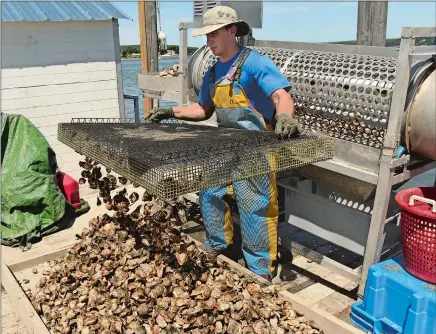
x,y
235,74
212,74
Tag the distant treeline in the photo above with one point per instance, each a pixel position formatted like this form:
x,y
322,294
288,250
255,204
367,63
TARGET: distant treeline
x,y
395,41
127,50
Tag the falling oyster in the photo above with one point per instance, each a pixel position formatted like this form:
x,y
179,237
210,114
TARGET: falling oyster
x,y
122,180
146,197
133,197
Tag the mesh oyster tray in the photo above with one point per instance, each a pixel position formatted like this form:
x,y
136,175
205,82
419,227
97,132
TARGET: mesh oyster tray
x,y
172,159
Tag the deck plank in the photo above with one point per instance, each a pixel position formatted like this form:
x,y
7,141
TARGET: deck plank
x,y
21,303
335,303
315,293
11,321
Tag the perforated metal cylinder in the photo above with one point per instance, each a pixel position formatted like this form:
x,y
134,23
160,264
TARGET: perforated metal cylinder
x,y
347,96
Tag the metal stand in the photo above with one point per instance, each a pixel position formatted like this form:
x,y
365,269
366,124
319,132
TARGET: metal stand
x,y
378,168
328,220
360,232
173,89
183,58
183,61
392,138
247,40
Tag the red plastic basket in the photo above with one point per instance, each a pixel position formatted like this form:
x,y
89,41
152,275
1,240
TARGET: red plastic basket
x,y
418,229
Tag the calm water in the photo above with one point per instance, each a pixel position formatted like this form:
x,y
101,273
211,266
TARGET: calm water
x,y
130,69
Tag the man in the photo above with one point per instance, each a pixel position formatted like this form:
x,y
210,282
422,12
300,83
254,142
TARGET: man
x,y
246,90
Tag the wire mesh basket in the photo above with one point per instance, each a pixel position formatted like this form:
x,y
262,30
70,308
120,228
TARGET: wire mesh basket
x,y
173,159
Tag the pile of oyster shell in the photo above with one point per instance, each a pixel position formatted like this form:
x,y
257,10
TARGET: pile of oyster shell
x,y
144,275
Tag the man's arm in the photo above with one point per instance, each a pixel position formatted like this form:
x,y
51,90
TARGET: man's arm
x,y
200,111
275,85
193,112
203,109
283,102
285,126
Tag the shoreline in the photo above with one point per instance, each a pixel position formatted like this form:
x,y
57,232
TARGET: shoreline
x,y
167,57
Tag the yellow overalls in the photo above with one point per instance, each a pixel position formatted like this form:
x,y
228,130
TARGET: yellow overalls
x,y
256,198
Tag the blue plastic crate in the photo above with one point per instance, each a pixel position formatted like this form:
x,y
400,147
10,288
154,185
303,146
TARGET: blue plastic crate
x,y
395,302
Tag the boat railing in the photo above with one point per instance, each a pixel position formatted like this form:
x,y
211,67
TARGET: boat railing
x,y
135,105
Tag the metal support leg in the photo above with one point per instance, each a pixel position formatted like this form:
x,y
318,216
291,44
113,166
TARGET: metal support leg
x,y
135,105
183,66
375,240
376,234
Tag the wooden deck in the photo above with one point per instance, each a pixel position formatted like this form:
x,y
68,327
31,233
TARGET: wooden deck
x,y
316,285
11,321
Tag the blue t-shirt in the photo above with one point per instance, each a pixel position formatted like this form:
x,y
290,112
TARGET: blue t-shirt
x,y
260,77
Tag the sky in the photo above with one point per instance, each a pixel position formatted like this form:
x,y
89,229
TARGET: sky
x,y
287,21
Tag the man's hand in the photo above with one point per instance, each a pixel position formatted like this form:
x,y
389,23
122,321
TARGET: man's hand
x,y
286,127
159,114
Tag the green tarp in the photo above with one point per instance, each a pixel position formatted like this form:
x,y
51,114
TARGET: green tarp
x,y
32,205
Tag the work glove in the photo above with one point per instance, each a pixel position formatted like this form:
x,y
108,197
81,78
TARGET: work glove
x,y
158,114
286,127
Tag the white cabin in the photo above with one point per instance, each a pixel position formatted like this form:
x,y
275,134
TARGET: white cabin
x,y
61,60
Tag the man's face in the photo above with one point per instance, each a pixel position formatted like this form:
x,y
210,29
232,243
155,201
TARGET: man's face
x,y
219,40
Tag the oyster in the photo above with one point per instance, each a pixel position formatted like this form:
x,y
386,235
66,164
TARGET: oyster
x,y
138,273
